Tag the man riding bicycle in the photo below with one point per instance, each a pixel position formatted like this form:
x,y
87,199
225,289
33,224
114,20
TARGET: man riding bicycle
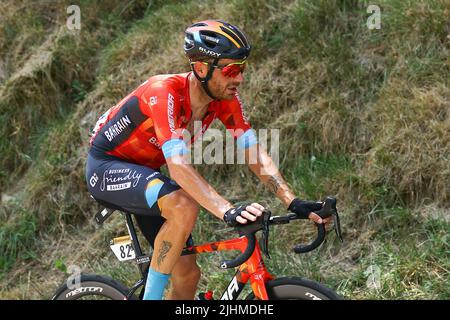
x,y
144,131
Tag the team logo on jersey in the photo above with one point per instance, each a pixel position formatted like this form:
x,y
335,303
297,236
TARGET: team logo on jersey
x,y
93,180
170,106
154,142
153,100
115,129
244,116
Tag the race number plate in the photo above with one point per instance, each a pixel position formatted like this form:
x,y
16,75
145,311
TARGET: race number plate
x,y
122,248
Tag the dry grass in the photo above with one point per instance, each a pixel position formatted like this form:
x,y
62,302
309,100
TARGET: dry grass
x,y
412,145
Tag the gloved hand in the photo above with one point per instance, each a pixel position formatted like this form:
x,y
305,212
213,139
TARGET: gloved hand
x,y
304,208
245,212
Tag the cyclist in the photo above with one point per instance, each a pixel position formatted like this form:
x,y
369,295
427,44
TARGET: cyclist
x,y
144,131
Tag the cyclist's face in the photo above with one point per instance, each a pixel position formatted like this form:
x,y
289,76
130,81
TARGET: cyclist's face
x,y
224,87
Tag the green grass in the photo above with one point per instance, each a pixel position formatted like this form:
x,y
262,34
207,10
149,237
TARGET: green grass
x,y
412,260
17,237
313,175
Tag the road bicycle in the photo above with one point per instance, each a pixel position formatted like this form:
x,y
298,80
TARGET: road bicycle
x,y
250,263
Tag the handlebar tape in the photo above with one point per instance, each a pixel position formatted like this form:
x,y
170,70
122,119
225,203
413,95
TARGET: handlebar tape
x,y
242,257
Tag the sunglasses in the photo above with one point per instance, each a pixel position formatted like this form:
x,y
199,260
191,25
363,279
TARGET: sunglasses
x,y
231,70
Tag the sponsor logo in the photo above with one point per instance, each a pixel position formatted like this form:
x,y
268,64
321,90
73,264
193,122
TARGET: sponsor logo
x,y
314,297
170,106
115,129
152,175
259,277
127,179
141,260
211,39
93,180
242,108
154,141
153,100
233,287
116,187
83,290
209,52
114,171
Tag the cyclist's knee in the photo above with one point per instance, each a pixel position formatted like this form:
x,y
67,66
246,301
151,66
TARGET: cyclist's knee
x,y
179,204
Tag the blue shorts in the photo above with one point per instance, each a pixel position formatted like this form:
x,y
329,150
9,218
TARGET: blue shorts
x,y
131,188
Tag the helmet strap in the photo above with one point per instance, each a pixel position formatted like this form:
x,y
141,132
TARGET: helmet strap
x,y
204,81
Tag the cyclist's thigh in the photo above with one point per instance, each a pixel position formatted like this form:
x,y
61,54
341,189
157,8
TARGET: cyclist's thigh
x,y
132,188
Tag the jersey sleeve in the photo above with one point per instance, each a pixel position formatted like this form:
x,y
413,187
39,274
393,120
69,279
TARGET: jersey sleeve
x,y
233,117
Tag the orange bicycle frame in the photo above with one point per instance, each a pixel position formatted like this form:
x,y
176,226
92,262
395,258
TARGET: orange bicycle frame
x,y
253,269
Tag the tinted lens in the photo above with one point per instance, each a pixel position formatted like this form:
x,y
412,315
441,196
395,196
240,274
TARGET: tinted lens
x,y
233,70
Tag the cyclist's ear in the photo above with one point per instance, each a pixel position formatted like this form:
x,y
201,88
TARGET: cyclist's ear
x,y
200,68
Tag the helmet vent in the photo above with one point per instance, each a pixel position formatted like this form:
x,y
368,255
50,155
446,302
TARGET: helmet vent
x,y
189,42
210,40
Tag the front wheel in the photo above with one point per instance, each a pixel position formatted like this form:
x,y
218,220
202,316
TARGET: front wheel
x,y
294,288
93,287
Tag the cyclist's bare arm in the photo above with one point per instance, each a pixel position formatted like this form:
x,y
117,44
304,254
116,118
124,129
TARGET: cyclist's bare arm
x,y
201,191
267,171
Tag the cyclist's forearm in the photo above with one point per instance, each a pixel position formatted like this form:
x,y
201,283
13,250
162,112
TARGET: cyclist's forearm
x,y
267,171
198,188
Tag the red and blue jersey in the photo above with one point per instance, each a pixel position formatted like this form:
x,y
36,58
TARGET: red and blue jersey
x,y
156,112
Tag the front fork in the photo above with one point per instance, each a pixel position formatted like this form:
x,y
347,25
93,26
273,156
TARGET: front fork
x,y
258,274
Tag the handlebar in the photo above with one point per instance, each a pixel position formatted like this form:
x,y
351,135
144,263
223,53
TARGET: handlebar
x,y
240,259
328,210
263,222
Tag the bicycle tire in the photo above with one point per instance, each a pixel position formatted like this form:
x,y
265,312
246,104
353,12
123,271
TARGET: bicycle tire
x,y
94,287
295,288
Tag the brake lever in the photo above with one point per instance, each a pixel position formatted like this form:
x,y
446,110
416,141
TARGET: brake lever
x,y
265,235
329,209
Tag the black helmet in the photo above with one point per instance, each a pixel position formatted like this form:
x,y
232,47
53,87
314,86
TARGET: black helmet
x,y
215,39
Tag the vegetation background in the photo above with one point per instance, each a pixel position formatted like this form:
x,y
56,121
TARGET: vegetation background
x,y
364,115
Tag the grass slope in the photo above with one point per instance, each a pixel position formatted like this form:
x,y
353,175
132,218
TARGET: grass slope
x,y
364,115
